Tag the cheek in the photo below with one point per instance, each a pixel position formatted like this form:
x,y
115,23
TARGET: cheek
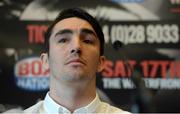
x,y
56,56
55,64
94,60
55,50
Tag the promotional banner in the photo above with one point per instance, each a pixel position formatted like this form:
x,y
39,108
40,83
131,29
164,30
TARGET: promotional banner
x,y
142,47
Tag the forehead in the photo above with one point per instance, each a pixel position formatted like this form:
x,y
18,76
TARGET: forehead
x,y
72,23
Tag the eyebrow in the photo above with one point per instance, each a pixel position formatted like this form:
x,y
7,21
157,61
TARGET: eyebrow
x,y
89,31
64,31
83,30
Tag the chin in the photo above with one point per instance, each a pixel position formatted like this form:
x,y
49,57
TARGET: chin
x,y
75,76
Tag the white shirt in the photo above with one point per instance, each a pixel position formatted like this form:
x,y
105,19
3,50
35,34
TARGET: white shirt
x,y
96,106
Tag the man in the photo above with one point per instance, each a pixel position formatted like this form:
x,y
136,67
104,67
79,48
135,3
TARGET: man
x,y
74,54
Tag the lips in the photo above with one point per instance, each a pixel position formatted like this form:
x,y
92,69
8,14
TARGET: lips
x,y
75,61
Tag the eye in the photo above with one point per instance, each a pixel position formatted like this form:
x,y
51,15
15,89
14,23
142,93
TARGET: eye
x,y
62,40
88,41
88,38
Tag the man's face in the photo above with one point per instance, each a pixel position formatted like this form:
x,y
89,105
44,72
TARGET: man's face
x,y
74,51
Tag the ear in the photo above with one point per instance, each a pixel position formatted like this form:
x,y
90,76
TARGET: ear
x,y
101,63
44,61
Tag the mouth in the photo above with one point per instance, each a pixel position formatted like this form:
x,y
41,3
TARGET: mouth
x,y
75,62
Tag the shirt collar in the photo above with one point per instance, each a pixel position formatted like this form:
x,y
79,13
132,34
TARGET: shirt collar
x,y
51,106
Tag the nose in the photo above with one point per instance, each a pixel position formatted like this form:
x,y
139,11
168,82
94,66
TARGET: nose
x,y
76,45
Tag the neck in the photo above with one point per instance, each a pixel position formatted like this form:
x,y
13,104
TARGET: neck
x,y
73,95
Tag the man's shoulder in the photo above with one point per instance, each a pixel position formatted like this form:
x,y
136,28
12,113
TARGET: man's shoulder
x,y
117,110
38,107
112,109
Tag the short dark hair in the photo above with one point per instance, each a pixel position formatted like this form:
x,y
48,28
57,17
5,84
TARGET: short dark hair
x,y
76,12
